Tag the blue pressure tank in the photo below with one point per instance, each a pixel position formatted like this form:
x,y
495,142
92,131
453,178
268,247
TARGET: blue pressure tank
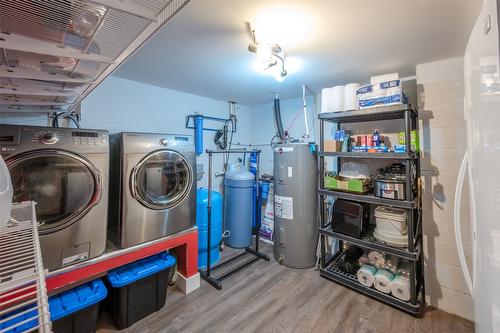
x,y
239,199
202,223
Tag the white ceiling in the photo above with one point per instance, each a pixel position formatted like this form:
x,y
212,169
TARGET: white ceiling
x,y
203,50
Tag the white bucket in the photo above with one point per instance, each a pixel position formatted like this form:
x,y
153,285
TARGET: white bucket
x,y
390,221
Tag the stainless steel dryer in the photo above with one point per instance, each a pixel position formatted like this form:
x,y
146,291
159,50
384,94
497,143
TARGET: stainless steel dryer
x,y
65,171
153,187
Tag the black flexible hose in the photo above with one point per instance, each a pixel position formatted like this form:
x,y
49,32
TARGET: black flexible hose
x,y
277,119
55,120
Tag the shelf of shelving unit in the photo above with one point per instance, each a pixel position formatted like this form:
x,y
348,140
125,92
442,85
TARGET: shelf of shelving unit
x,y
332,272
371,114
370,198
388,155
50,50
413,253
368,242
23,294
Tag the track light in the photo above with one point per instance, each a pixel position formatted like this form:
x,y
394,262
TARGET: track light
x,y
268,56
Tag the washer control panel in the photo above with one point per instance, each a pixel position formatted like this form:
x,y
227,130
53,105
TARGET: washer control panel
x,y
49,138
14,136
88,137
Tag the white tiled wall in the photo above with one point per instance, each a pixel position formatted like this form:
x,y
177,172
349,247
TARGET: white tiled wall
x,y
440,87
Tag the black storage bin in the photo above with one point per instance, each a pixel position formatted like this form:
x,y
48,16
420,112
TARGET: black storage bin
x,y
83,321
73,311
77,310
138,289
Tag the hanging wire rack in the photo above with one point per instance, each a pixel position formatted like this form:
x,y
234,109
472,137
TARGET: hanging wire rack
x,y
23,295
53,53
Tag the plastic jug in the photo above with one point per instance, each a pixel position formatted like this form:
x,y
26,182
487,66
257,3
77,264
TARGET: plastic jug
x,y
5,194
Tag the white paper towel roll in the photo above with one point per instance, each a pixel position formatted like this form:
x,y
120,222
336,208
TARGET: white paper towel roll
x,y
326,100
383,281
350,97
401,287
338,98
366,275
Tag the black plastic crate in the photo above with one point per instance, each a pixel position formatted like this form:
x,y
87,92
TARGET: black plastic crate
x,y
131,302
83,321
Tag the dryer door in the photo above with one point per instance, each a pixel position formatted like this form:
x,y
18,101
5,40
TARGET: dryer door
x,y
161,180
64,185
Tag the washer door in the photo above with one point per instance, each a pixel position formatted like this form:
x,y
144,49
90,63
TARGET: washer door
x,y
161,180
64,185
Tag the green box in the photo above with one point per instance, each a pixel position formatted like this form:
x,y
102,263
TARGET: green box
x,y
415,143
349,185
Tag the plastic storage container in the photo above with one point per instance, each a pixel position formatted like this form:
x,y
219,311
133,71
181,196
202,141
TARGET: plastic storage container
x,y
391,221
73,311
239,208
138,289
391,226
202,223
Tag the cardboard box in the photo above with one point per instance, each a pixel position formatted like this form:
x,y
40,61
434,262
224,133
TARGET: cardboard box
x,y
415,142
349,185
333,146
381,94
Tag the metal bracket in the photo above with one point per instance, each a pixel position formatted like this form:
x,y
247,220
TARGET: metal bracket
x,y
8,108
12,41
33,91
22,100
25,73
216,119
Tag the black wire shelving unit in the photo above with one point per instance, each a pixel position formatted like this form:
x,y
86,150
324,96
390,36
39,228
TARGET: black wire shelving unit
x,y
413,253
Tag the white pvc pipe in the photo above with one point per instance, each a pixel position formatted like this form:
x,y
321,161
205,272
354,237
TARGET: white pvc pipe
x,y
305,110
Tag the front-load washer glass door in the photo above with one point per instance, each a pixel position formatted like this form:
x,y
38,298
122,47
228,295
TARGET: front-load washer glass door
x,y
64,186
161,180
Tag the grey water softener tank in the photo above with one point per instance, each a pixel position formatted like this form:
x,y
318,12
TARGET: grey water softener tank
x,y
295,205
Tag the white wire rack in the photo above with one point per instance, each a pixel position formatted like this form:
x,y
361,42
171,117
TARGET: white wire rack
x,y
23,295
59,48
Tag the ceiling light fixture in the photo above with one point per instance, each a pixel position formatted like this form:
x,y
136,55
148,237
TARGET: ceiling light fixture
x,y
268,56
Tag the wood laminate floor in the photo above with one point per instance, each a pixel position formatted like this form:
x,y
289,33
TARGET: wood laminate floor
x,y
267,297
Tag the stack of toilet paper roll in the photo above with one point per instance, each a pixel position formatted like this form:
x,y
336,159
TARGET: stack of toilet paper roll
x,y
384,276
385,273
339,98
401,283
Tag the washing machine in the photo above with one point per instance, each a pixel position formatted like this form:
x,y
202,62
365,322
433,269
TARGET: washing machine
x,y
65,171
153,189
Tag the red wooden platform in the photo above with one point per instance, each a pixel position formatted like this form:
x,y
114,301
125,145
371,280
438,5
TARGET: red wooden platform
x,y
185,244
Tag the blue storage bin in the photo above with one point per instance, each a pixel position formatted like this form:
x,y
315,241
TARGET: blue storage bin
x,y
74,310
137,270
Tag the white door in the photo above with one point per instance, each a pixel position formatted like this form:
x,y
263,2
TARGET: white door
x,y
482,85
